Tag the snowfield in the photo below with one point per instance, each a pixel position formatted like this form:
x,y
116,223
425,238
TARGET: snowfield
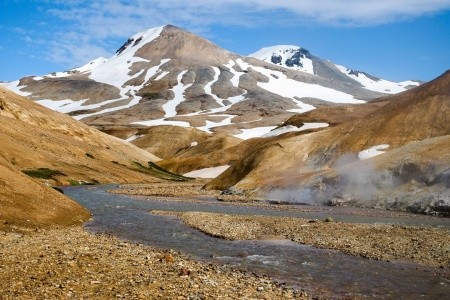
x,y
381,85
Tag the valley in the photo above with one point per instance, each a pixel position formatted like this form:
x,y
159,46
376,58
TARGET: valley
x,y
277,175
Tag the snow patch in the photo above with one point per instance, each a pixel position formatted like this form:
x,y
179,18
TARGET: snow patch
x,y
154,70
14,87
158,122
372,151
170,106
134,100
236,75
134,137
91,65
290,88
208,90
207,172
162,75
211,124
254,132
193,144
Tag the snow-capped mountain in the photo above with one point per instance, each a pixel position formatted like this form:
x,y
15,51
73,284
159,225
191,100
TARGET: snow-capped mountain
x,y
292,57
167,76
297,58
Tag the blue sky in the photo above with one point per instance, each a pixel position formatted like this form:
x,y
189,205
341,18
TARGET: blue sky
x,y
396,40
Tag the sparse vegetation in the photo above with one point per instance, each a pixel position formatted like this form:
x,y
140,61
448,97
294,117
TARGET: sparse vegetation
x,y
159,172
43,173
74,182
90,155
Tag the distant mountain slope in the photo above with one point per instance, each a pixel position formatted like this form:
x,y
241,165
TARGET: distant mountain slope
x,y
410,132
297,58
167,76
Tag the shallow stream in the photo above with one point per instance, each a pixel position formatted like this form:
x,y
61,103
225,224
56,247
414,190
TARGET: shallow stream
x,y
322,272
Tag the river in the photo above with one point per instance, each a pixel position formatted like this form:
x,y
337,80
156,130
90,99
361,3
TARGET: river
x,y
326,273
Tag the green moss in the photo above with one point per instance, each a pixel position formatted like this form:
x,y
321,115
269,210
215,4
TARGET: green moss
x,y
74,182
159,172
82,182
43,173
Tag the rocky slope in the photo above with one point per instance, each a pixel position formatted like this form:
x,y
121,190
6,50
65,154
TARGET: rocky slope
x,y
42,148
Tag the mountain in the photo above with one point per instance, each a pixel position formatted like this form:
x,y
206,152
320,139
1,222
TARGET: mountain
x,y
167,76
300,59
42,148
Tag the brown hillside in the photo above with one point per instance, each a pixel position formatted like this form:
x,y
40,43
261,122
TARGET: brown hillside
x,y
34,137
170,141
213,153
415,115
26,203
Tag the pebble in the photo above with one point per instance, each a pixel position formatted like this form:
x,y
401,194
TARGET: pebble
x,y
120,268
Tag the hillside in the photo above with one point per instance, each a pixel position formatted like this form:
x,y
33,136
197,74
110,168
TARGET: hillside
x,y
54,149
412,130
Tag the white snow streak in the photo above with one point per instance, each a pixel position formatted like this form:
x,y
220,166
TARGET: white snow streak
x,y
208,90
236,75
170,106
211,124
158,122
162,75
134,137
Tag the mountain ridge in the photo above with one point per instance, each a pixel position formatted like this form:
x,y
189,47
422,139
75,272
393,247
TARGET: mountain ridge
x,y
168,76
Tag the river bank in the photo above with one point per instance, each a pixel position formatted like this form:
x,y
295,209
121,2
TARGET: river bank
x,y
74,264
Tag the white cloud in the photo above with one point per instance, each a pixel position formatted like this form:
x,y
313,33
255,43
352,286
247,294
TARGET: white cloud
x,y
95,23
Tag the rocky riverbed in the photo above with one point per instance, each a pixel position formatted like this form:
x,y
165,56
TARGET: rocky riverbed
x,y
181,189
428,246
75,264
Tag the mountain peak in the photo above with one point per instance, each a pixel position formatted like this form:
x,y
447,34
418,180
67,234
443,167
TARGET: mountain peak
x,y
142,37
289,56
